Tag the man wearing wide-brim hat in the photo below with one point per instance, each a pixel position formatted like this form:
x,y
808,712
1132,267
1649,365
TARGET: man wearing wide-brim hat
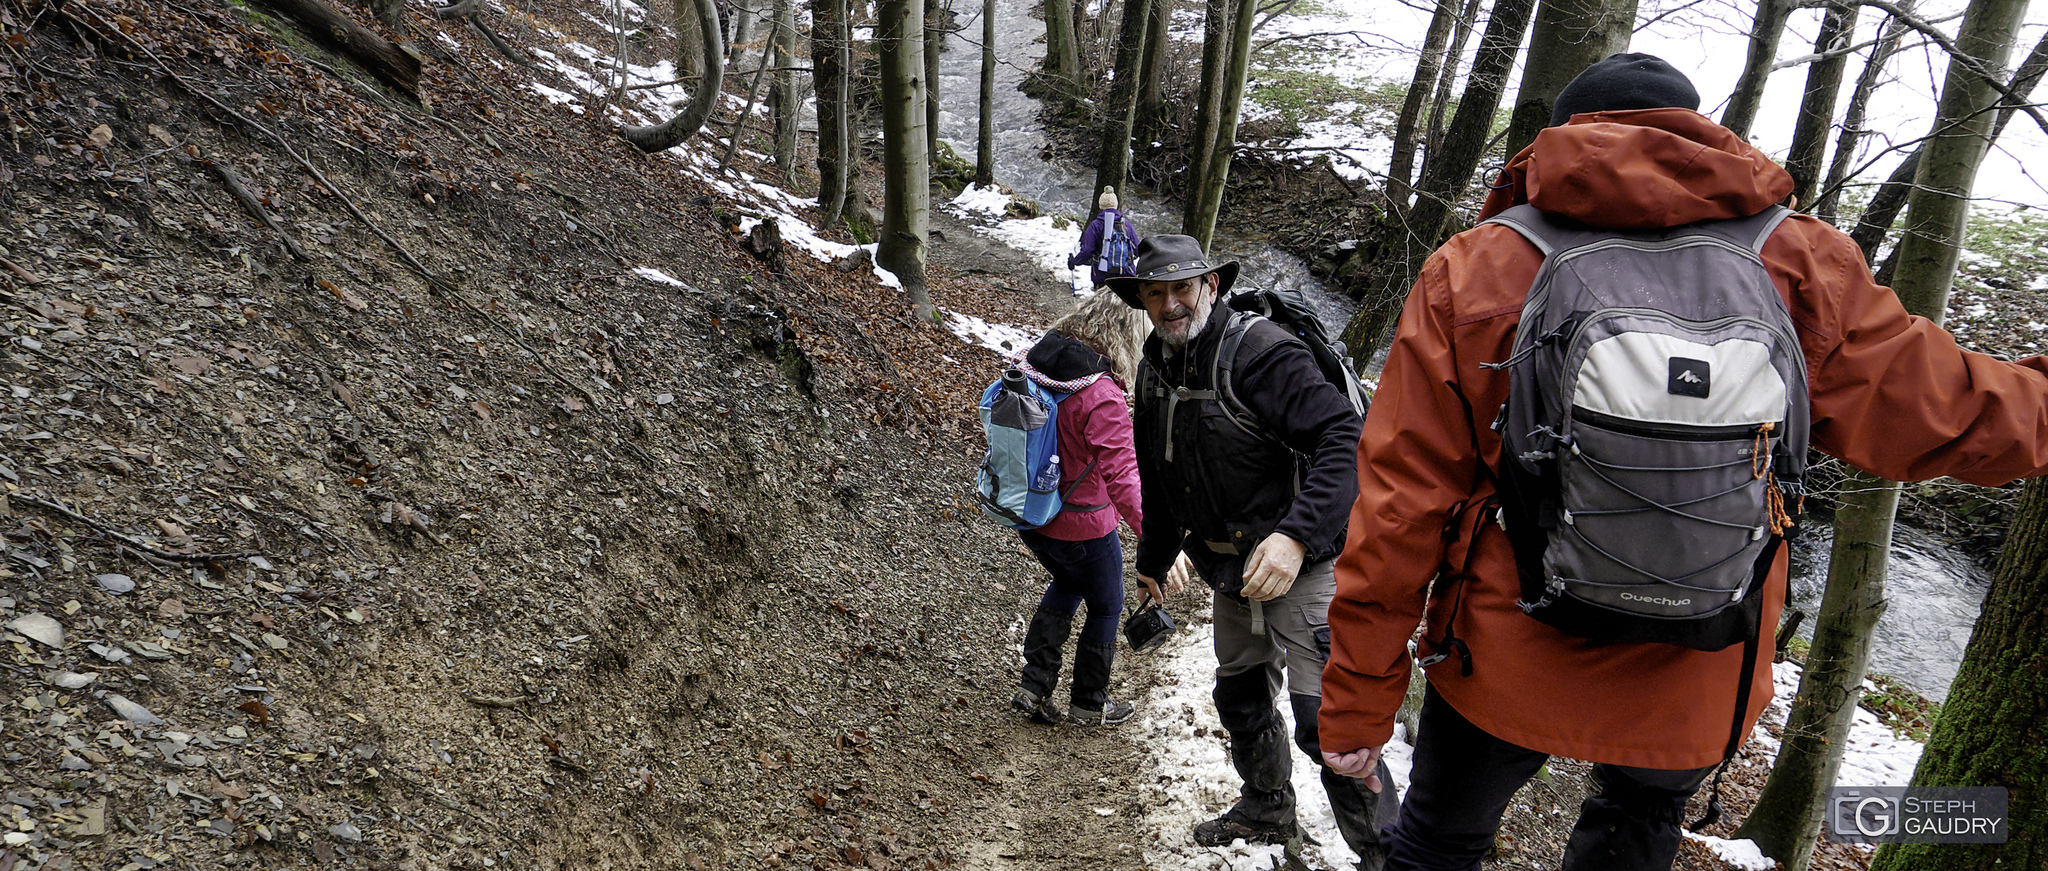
x,y
1259,503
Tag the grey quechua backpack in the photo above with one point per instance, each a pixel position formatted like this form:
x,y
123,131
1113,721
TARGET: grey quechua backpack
x,y
1655,429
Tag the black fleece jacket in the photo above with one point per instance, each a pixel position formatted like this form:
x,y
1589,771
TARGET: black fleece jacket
x,y
1223,480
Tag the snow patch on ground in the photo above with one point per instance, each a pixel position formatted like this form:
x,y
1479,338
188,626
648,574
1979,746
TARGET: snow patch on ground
x,y
1743,855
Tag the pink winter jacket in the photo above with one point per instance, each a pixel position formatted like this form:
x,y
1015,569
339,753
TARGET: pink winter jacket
x,y
1095,427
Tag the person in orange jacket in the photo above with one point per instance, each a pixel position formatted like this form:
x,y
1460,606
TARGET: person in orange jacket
x,y
1889,392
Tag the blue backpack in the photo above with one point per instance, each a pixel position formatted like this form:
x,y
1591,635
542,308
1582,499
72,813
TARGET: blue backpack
x,y
1119,257
1019,482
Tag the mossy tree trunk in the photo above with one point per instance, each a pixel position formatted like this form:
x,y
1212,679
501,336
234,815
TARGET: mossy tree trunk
x,y
1216,21
829,76
1787,816
1765,30
1062,55
1817,105
1216,175
1994,729
1568,37
1150,120
1408,125
985,138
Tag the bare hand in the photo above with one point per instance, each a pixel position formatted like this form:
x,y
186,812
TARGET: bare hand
x,y
1151,590
1362,764
1270,571
1177,577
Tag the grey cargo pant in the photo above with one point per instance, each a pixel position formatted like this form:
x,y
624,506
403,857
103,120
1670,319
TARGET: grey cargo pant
x,y
1251,668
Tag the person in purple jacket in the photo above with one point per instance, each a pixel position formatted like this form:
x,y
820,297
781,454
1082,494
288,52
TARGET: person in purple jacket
x,y
1090,353
1092,237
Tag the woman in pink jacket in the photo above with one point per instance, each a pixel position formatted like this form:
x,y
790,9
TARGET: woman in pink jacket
x,y
1091,353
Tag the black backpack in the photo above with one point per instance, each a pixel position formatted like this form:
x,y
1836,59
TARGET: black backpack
x,y
1290,311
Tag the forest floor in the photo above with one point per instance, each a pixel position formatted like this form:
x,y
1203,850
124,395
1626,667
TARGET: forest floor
x,y
612,544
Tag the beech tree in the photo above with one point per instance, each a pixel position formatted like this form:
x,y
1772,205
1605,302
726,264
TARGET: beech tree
x,y
674,131
1208,198
1788,813
1765,30
783,99
1567,37
1114,160
906,167
1408,125
1410,236
1988,733
829,63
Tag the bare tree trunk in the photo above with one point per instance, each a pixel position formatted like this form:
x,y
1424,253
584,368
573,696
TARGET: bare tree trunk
x,y
1210,197
1411,236
906,172
1454,59
742,25
985,133
828,73
934,42
673,132
1113,163
1216,32
1150,120
1817,106
1408,127
1567,37
782,94
739,127
1787,817
1062,60
1852,120
389,62
2000,694
1764,32
689,47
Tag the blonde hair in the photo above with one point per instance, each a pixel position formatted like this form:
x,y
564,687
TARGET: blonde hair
x,y
1110,328
1108,198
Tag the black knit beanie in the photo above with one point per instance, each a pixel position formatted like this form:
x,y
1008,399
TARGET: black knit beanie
x,y
1625,81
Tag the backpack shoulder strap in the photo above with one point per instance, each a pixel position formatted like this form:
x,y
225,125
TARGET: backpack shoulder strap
x,y
1223,374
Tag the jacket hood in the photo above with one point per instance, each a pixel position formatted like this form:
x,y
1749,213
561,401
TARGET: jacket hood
x,y
1063,358
1640,169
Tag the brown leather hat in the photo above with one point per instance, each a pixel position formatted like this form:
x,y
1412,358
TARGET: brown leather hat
x,y
1170,257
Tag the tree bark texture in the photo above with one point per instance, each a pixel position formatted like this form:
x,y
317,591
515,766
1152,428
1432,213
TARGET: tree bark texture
x,y
742,25
1993,731
1852,120
934,42
985,130
1446,77
1786,819
1817,105
906,199
1062,55
828,73
1567,37
782,93
1150,120
1764,32
674,131
1231,100
1409,236
1931,242
1215,57
1408,126
391,64
689,48
1113,162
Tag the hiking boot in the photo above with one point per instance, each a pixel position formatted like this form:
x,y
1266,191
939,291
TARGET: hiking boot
x,y
1112,713
1035,709
1223,830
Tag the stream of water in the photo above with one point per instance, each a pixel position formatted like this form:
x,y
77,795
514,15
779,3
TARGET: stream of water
x,y
1935,592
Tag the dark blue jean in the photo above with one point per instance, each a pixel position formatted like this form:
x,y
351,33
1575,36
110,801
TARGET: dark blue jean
x,y
1463,779
1090,572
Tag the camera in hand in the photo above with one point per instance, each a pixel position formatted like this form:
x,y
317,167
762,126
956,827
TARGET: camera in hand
x,y
1148,627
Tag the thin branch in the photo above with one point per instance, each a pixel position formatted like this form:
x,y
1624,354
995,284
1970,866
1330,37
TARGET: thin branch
x,y
249,202
1974,65
127,539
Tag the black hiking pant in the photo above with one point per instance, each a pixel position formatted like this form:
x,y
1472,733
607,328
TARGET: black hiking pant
x,y
1090,572
1464,777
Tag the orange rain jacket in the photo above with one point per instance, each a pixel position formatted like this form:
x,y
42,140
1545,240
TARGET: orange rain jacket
x,y
1891,393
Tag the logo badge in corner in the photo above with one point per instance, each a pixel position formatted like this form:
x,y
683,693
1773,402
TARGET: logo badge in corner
x,y
1690,378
